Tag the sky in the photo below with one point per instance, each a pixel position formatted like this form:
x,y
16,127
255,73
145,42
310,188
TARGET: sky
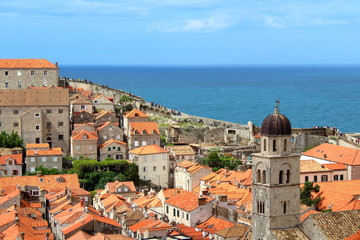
x,y
182,32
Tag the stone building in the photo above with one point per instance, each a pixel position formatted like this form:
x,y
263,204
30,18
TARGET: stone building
x,y
153,162
113,149
109,131
82,117
24,73
276,179
187,174
11,165
42,155
143,133
105,116
84,144
37,115
79,103
134,116
102,103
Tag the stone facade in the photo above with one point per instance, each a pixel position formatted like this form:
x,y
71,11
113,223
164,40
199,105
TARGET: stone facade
x,y
101,103
109,131
37,115
11,165
113,149
104,117
24,73
46,157
84,144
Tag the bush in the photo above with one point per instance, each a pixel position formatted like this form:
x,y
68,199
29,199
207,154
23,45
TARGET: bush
x,y
216,161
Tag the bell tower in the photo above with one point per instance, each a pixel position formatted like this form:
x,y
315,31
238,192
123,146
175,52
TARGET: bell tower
x,y
275,179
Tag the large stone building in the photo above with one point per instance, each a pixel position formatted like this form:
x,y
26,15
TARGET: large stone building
x,y
24,73
37,115
276,179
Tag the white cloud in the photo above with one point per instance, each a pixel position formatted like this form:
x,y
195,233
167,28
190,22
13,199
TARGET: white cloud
x,y
217,22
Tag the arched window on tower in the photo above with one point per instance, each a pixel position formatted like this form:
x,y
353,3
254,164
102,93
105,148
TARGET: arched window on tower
x,y
258,176
264,144
284,207
274,145
263,177
281,177
285,145
288,176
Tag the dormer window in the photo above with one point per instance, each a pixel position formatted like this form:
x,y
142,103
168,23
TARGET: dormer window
x,y
144,131
137,115
154,132
85,136
136,132
60,179
10,162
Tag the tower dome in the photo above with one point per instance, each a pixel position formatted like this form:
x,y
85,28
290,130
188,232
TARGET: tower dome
x,y
276,124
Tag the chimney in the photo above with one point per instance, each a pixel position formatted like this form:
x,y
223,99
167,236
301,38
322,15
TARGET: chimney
x,y
101,212
39,173
201,201
47,236
15,205
205,192
17,220
22,235
223,198
226,169
116,179
86,209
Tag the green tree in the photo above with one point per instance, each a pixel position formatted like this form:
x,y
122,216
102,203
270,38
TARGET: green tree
x,y
216,161
10,140
306,194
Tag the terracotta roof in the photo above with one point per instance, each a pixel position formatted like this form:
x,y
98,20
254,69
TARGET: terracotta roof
x,y
355,236
135,113
107,143
137,128
312,166
214,224
26,63
49,152
80,235
337,225
289,233
37,145
84,135
112,186
46,182
181,149
106,124
236,231
148,201
305,215
149,149
192,167
186,200
335,153
170,192
103,113
16,157
34,97
102,236
188,231
335,166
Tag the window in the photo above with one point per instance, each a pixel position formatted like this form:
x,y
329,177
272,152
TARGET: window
x,y
341,177
143,143
306,178
7,85
37,127
315,179
260,207
136,132
10,162
119,149
284,207
114,147
118,137
60,111
15,111
5,171
32,169
0,111
60,124
177,213
285,145
143,131
187,216
263,177
274,145
48,111
82,107
15,172
32,159
77,147
48,125
45,73
109,148
43,159
144,169
324,178
136,143
32,84
61,137
37,115
264,144
167,209
174,212
336,177
37,140
18,72
16,124
164,167
19,85
288,176
0,124
32,73
281,177
154,132
91,147
55,159
154,168
6,73
105,136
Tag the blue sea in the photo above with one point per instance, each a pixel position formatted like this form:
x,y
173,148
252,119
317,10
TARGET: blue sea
x,y
309,95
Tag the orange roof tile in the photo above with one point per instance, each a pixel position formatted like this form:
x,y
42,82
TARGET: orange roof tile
x,y
355,236
305,215
312,166
50,152
46,182
335,153
335,166
149,149
37,145
140,128
107,143
80,235
84,135
26,63
141,224
186,200
136,113
170,192
103,113
112,186
214,224
148,201
16,157
10,196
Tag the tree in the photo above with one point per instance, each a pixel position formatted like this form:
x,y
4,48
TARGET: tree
x,y
11,140
217,160
306,194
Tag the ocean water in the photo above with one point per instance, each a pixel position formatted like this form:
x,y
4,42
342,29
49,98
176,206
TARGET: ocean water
x,y
309,95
